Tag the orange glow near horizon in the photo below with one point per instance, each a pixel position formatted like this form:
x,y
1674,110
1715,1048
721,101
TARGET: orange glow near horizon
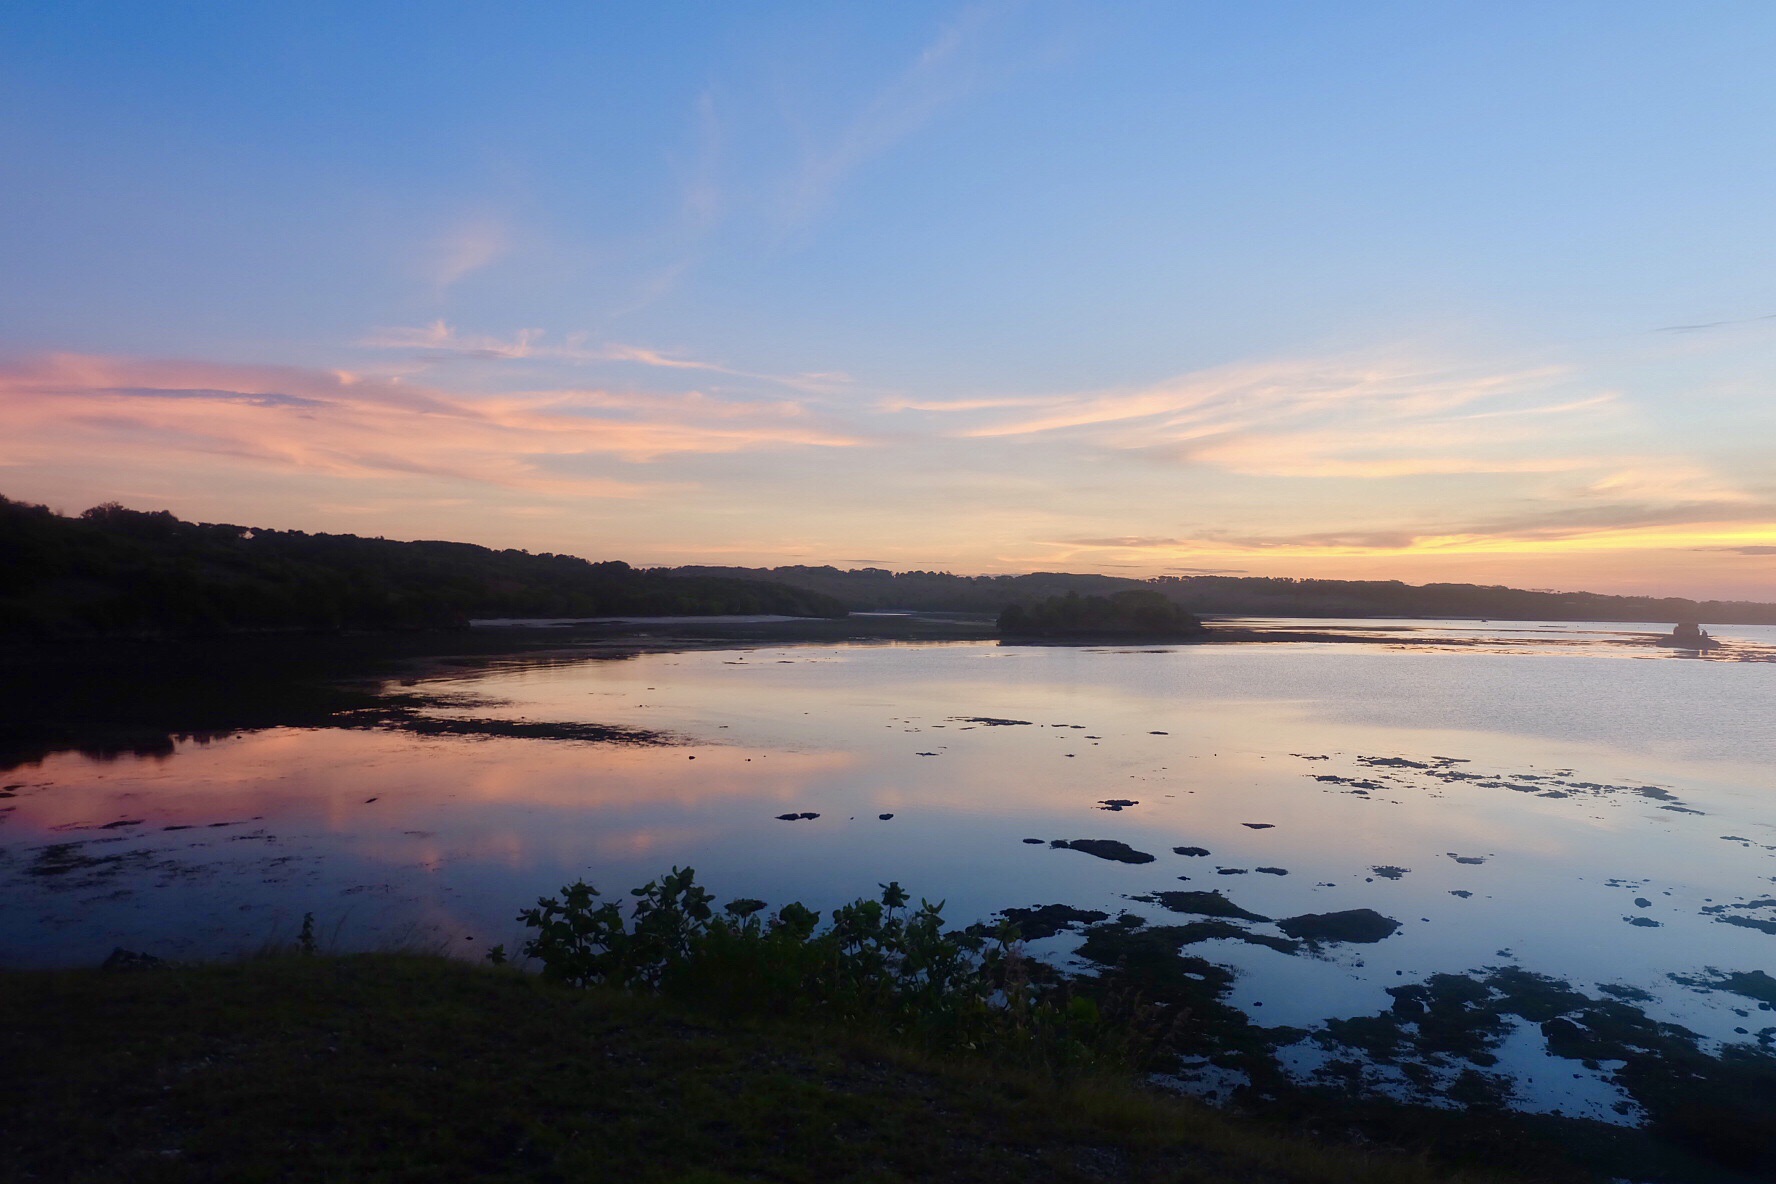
x,y
1509,477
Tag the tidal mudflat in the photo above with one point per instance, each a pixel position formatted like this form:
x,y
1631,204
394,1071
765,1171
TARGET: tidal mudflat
x,y
1534,868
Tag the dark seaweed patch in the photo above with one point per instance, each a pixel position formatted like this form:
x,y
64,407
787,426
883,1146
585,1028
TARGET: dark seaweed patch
x,y
1049,919
1351,925
1111,849
1722,912
1556,784
1205,904
1625,992
524,729
1356,782
1722,1109
1753,984
1756,923
1209,930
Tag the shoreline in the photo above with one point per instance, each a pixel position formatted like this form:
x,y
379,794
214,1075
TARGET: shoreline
x,y
1614,1027
139,695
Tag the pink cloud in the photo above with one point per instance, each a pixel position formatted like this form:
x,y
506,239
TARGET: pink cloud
x,y
80,410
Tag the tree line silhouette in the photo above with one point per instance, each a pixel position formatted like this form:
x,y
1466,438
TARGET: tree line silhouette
x,y
1141,613
1273,596
115,570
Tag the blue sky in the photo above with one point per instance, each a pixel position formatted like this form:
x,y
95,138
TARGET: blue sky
x,y
1395,290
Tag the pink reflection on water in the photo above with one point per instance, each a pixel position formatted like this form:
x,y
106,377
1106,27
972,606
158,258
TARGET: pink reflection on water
x,y
379,833
352,781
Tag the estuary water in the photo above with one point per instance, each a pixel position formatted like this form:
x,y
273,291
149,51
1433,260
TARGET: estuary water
x,y
1562,798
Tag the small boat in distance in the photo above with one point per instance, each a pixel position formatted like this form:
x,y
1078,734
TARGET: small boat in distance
x,y
1688,636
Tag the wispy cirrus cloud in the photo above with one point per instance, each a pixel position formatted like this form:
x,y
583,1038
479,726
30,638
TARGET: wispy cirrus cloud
x,y
465,248
1702,326
1339,417
1562,467
254,399
188,415
1661,480
987,403
945,71
1128,541
440,340
440,337
1614,525
702,201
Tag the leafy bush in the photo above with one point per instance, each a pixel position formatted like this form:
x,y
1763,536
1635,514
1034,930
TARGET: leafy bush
x,y
879,963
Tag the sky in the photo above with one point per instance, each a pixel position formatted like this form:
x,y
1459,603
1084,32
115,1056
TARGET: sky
x,y
1425,291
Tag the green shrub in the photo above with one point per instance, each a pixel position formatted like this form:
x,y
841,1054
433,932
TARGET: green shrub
x,y
879,963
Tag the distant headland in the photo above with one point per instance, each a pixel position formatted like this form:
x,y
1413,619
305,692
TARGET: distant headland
x,y
117,571
867,588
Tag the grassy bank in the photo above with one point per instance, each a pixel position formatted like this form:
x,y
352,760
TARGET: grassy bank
x,y
387,1067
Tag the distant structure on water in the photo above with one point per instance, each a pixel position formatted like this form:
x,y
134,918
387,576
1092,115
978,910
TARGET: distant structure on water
x,y
1688,636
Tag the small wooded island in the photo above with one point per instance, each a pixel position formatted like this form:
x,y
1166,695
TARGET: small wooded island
x,y
1688,635
1121,616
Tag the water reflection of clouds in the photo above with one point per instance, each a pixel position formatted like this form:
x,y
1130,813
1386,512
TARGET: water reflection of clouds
x,y
549,839
464,831
582,777
329,778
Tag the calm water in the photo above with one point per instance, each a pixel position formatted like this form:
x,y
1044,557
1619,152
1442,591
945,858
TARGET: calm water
x,y
1551,796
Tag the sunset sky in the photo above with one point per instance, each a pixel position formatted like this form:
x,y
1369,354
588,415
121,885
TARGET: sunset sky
x,y
1428,291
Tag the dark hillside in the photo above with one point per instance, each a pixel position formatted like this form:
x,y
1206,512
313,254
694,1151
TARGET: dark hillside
x,y
1260,596
876,588
114,570
866,588
1145,615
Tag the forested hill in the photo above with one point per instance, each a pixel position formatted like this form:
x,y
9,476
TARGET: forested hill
x,y
875,588
113,570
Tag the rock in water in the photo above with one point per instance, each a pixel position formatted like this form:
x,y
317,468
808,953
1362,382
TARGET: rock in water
x,y
1105,849
1353,925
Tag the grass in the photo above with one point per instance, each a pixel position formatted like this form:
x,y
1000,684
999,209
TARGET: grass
x,y
392,1067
